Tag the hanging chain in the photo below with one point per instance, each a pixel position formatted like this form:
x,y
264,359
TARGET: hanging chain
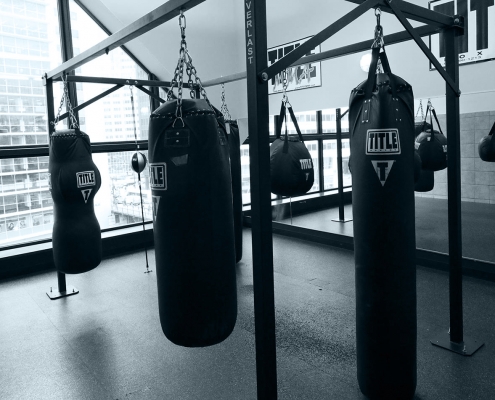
x,y
133,115
430,105
65,97
185,60
224,110
420,108
285,84
378,42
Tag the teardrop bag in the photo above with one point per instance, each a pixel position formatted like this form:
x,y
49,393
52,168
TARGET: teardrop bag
x,y
486,147
74,181
426,181
432,146
381,121
291,165
193,224
236,173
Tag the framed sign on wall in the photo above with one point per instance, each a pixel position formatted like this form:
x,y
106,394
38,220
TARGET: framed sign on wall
x,y
478,42
300,77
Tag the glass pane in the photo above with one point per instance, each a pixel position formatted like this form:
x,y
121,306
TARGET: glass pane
x,y
26,205
306,121
246,185
346,173
23,60
312,146
328,120
330,164
110,118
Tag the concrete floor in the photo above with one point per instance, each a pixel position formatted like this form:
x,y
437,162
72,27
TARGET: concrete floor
x,y
106,342
478,226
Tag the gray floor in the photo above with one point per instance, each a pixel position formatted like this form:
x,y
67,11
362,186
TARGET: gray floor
x,y
106,342
478,226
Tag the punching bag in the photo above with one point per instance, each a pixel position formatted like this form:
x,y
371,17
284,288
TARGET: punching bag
x,y
426,181
291,166
417,166
236,173
486,147
432,145
193,223
74,180
381,121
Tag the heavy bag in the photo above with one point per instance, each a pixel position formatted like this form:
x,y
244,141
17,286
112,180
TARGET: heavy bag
x,y
432,146
236,173
421,127
426,181
291,166
381,121
193,224
74,180
417,166
486,147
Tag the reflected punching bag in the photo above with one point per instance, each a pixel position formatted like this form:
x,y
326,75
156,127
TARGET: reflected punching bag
x,y
381,121
426,181
486,147
193,224
236,173
74,181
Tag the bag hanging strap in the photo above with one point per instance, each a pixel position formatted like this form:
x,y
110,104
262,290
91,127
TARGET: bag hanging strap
x,y
433,113
294,121
72,118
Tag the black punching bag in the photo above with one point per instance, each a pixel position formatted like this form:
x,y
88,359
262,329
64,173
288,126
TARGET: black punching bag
x,y
193,224
381,121
74,181
486,147
426,181
236,172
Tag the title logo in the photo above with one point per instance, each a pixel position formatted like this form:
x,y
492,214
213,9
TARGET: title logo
x,y
85,178
382,169
158,176
382,141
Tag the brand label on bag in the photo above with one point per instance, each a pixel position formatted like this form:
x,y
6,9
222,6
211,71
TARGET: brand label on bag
x,y
85,193
382,169
306,163
85,178
155,203
382,141
158,176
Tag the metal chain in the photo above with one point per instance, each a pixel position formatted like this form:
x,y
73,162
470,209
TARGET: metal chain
x,y
420,108
65,96
285,84
133,116
224,110
378,42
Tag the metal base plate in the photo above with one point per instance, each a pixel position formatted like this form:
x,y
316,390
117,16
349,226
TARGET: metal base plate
x,y
55,294
466,348
341,220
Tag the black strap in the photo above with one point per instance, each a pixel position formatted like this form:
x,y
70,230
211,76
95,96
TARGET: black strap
x,y
281,122
370,84
294,121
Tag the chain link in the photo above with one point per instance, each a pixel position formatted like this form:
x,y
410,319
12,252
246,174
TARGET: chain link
x,y
133,115
185,61
65,97
420,108
378,42
285,84
224,109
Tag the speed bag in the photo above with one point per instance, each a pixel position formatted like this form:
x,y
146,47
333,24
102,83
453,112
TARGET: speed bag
x,y
486,147
291,166
381,124
236,173
432,148
74,180
426,181
192,224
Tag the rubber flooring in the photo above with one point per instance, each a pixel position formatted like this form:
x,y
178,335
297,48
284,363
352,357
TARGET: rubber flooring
x,y
106,341
478,226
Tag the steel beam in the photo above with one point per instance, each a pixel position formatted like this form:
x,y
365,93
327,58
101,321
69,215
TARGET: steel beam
x,y
317,39
164,13
261,214
111,81
416,13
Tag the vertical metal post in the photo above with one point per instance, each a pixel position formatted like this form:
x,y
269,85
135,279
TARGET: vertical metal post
x,y
67,49
50,108
454,340
259,154
319,131
62,286
340,178
154,103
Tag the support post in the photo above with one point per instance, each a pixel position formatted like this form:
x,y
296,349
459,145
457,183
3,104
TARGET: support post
x,y
259,153
340,177
319,131
454,340
63,289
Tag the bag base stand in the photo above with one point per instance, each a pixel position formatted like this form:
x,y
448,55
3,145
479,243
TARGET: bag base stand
x,y
467,347
63,289
338,117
